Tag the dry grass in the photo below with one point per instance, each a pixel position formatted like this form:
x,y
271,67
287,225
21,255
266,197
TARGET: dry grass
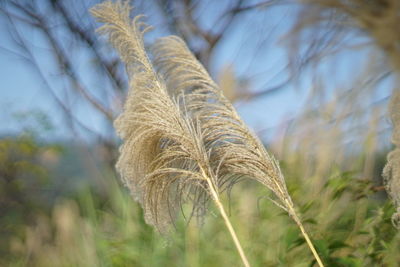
x,y
378,20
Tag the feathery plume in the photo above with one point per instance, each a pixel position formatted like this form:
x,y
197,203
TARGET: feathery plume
x,y
391,172
163,159
183,140
238,152
161,146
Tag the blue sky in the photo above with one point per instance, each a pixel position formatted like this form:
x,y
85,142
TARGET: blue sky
x,y
253,48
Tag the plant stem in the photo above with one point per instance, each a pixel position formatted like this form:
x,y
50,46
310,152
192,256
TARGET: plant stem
x,y
310,244
307,238
227,221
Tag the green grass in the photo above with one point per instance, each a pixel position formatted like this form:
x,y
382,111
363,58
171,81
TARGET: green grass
x,y
349,224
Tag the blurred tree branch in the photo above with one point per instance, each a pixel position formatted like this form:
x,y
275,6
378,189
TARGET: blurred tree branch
x,y
61,26
61,57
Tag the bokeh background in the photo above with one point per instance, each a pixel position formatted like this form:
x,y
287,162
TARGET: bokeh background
x,y
313,79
